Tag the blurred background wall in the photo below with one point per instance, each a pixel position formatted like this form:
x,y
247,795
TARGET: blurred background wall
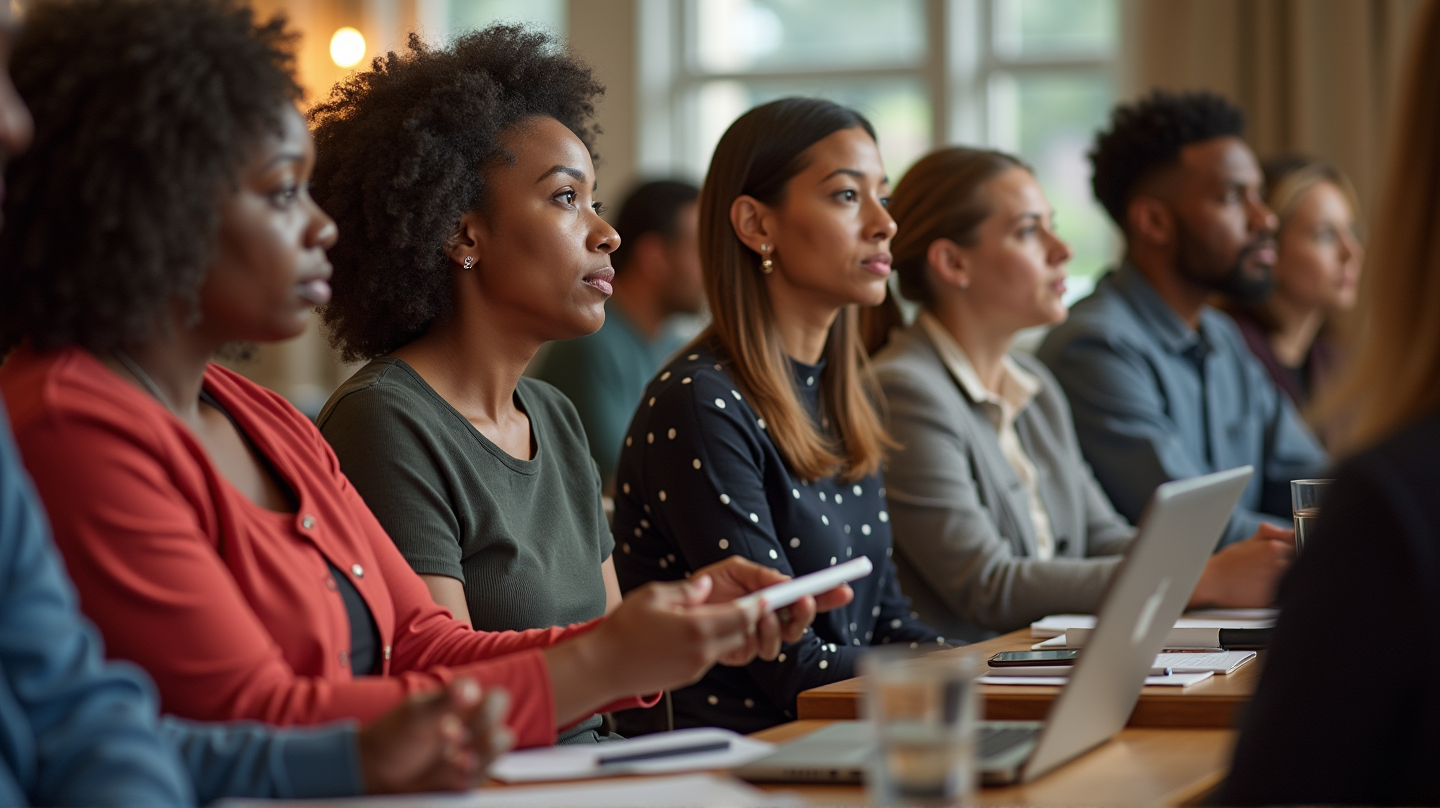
x,y
1035,77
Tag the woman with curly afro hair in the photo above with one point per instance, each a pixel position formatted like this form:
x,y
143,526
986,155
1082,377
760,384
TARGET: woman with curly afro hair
x,y
162,212
463,178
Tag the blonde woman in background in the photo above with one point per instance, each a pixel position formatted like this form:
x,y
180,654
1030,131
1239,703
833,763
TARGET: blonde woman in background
x,y
1317,276
1318,733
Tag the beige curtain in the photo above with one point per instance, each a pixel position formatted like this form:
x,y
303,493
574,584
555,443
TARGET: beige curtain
x,y
1313,76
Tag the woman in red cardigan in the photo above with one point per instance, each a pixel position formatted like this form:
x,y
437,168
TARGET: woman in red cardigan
x,y
206,523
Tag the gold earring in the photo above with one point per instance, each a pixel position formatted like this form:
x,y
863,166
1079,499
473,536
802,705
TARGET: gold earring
x,y
767,266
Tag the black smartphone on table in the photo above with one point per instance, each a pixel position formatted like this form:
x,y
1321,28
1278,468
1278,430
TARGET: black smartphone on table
x,y
1006,659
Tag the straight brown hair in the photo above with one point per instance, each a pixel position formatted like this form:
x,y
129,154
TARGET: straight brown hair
x,y
757,156
939,197
1394,370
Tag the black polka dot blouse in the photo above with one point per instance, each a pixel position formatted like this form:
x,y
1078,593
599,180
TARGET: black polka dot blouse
x,y
699,481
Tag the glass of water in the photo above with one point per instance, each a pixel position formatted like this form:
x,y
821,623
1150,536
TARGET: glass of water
x,y
922,709
1305,497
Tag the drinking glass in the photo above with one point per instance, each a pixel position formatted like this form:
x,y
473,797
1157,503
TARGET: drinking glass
x,y
922,709
1305,497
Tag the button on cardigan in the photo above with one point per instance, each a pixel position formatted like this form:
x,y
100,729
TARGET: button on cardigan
x,y
223,602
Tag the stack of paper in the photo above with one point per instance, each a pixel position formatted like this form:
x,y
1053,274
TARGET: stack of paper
x,y
1173,680
688,791
684,750
1198,629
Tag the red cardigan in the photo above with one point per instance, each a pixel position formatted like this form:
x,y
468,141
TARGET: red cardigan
x,y
230,607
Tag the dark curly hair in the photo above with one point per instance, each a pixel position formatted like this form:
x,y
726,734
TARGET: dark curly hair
x,y
144,112
401,151
1148,135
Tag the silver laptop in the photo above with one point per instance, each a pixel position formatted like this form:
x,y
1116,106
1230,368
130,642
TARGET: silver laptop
x,y
1178,532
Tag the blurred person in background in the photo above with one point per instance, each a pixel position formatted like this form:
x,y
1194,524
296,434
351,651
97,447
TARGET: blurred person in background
x,y
1318,263
1316,731
1161,384
997,519
657,275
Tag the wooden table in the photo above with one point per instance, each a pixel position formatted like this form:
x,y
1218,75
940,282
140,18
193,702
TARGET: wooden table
x,y
1213,703
1136,767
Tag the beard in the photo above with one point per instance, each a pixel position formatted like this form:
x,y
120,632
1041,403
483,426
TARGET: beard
x,y
1239,279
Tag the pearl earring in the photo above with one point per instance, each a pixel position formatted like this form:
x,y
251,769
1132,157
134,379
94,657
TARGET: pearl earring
x,y
767,266
469,262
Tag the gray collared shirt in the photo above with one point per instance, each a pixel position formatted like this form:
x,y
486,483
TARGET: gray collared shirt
x,y
1155,401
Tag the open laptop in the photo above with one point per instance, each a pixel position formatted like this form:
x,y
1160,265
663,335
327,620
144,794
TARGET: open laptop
x,y
1178,532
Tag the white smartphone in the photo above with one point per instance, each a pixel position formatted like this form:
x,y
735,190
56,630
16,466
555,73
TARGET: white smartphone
x,y
783,594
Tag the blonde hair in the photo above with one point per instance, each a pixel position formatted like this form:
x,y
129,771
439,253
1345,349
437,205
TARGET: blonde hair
x,y
757,156
1394,370
1288,178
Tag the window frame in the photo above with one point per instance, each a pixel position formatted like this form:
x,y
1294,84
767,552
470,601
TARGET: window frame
x,y
962,58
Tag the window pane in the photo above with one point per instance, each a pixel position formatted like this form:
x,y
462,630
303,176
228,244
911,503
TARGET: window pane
x,y
733,36
1050,119
470,15
1056,28
896,108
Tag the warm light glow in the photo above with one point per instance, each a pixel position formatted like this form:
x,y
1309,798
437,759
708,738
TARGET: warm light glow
x,y
347,47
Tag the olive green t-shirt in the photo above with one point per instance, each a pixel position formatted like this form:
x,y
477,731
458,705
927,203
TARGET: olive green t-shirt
x,y
525,537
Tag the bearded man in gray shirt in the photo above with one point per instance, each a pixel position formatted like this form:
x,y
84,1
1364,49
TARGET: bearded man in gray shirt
x,y
1161,384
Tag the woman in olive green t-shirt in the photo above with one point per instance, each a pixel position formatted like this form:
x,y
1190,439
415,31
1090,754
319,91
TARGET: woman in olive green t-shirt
x,y
470,242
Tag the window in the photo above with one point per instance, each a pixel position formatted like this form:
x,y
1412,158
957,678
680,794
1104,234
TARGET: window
x,y
1033,77
452,16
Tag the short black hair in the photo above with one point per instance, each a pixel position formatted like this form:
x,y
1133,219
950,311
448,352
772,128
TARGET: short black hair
x,y
1149,134
400,152
144,110
653,207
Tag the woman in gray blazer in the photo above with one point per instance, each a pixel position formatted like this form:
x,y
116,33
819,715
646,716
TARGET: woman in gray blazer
x,y
997,519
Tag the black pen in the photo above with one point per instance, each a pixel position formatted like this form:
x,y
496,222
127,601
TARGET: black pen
x,y
632,757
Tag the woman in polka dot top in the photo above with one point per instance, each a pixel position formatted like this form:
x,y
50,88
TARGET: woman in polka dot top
x,y
760,439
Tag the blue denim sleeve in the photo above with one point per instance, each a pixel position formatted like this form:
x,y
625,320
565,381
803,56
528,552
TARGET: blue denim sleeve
x,y
76,730
1124,428
1292,451
255,761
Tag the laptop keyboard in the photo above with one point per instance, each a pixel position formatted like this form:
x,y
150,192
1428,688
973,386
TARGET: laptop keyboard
x,y
998,740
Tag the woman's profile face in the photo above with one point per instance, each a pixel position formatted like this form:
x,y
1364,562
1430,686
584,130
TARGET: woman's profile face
x,y
1319,260
1016,269
543,250
270,267
830,235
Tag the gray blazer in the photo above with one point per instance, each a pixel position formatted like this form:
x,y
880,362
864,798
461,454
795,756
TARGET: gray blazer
x,y
964,543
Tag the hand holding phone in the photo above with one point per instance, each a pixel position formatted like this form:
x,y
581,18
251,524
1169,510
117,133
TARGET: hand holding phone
x,y
783,594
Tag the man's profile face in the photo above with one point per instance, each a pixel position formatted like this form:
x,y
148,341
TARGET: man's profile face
x,y
1225,236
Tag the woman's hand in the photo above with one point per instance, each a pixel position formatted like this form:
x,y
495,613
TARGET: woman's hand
x,y
663,635
443,740
1246,574
667,635
736,577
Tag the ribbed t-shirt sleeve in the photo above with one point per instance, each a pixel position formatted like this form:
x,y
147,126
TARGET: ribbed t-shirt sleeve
x,y
381,433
